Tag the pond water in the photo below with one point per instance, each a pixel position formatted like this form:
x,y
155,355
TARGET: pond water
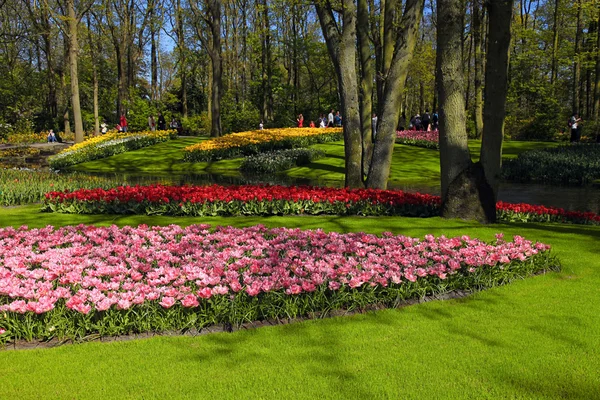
x,y
572,198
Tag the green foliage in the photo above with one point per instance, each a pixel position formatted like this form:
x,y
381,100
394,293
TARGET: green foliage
x,y
137,116
577,164
197,125
277,161
26,186
238,116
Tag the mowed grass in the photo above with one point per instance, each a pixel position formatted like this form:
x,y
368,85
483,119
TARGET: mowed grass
x,y
534,338
165,158
410,165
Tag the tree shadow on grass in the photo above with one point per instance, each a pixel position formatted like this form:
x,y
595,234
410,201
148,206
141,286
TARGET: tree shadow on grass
x,y
316,349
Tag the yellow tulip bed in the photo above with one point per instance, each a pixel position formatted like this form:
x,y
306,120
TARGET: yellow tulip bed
x,y
253,142
108,145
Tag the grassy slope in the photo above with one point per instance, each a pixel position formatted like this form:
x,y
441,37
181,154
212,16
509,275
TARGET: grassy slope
x,y
410,165
161,158
535,338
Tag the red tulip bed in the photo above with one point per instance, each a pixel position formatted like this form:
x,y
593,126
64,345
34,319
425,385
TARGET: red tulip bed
x,y
426,139
78,282
280,200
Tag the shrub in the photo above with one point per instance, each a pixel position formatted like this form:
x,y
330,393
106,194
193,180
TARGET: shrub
x,y
280,160
196,125
577,164
108,145
253,142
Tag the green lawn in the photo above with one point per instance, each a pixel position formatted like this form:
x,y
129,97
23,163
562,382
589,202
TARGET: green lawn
x,y
535,338
165,158
410,165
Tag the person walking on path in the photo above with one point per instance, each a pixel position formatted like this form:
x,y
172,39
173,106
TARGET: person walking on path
x,y
151,123
123,123
435,121
426,120
337,119
330,119
162,124
374,125
575,124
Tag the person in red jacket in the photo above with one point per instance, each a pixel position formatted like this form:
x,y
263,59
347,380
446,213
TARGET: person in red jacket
x,y
123,122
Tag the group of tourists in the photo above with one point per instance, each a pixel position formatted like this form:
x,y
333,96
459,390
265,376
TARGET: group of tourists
x,y
333,119
159,123
425,122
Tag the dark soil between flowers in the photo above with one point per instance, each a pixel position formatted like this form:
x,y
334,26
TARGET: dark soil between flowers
x,y
218,328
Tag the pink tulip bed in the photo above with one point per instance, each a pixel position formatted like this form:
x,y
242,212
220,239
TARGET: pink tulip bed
x,y
426,139
281,200
79,282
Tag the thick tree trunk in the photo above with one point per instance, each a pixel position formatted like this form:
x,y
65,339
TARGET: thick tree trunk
x,y
496,87
464,190
342,50
366,84
349,93
406,39
214,9
73,49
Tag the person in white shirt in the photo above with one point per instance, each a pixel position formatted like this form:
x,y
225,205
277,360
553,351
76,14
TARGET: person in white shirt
x,y
374,125
330,119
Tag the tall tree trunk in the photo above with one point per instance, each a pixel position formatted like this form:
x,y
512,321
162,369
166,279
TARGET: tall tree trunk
x,y
478,29
267,92
214,9
342,49
496,87
366,84
554,69
153,52
181,48
454,150
577,62
465,192
73,50
94,78
406,39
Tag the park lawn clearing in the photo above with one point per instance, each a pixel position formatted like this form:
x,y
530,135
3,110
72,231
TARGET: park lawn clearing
x,y
535,338
411,166
164,158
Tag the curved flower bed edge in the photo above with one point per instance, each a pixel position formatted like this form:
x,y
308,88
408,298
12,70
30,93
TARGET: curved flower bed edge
x,y
218,200
72,282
